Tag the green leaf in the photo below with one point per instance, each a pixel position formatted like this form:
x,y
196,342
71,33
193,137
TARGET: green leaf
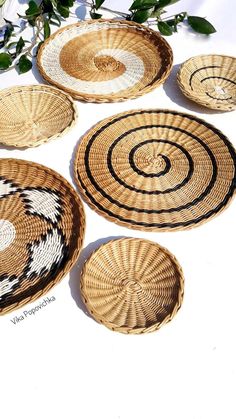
x,y
164,28
20,45
95,15
142,4
55,20
2,2
5,60
47,6
33,9
46,29
201,25
67,3
98,4
24,64
8,32
142,15
64,11
163,3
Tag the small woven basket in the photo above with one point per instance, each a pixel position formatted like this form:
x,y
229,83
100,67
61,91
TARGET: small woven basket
x,y
34,114
210,80
156,170
132,285
105,60
41,231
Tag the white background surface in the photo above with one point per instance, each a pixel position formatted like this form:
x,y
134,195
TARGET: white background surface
x,y
61,363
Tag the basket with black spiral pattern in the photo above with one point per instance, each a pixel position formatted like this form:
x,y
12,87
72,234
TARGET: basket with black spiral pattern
x,y
210,80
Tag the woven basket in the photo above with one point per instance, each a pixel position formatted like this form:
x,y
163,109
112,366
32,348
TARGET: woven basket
x,y
132,285
41,231
156,170
210,80
32,115
105,60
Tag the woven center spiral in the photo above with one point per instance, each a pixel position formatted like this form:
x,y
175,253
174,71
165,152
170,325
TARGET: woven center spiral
x,y
106,63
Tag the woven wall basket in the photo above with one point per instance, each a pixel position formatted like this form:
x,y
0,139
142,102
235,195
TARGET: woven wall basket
x,y
156,170
32,115
41,231
132,285
105,60
210,80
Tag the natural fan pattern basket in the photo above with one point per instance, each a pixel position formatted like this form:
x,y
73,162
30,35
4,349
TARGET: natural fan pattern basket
x,y
210,80
156,170
41,231
32,115
132,285
105,60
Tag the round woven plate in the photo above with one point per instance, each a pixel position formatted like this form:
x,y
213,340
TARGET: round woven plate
x,y
105,60
210,80
41,231
156,170
132,285
32,115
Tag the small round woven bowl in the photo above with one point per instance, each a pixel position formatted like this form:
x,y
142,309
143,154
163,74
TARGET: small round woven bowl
x,y
156,170
132,285
41,231
32,115
105,60
210,80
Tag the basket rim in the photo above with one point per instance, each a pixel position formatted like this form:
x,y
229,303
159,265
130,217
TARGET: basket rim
x,y
190,94
79,243
125,329
113,219
8,91
109,97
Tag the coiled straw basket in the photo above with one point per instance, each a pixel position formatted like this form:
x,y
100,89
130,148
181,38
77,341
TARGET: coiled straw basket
x,y
210,80
132,285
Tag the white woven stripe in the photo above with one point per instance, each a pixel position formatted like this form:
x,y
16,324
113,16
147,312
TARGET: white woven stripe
x,y
51,64
7,234
6,286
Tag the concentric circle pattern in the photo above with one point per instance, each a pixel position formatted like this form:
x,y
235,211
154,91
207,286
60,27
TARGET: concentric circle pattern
x,y
105,60
132,285
156,170
210,80
34,114
41,231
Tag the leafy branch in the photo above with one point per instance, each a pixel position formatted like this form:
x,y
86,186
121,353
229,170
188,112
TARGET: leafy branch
x,y
142,10
15,53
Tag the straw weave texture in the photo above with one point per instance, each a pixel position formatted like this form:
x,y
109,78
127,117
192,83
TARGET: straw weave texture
x,y
105,60
41,231
156,170
132,285
34,114
210,80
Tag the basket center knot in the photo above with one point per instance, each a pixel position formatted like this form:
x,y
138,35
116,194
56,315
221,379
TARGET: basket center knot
x,y
132,285
157,162
220,90
106,63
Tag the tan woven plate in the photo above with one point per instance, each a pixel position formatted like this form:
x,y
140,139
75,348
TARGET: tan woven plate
x,y
156,170
132,285
32,115
41,231
210,80
105,60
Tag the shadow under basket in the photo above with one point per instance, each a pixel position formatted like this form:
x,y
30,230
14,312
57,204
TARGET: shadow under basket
x,y
32,115
41,231
132,285
210,80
